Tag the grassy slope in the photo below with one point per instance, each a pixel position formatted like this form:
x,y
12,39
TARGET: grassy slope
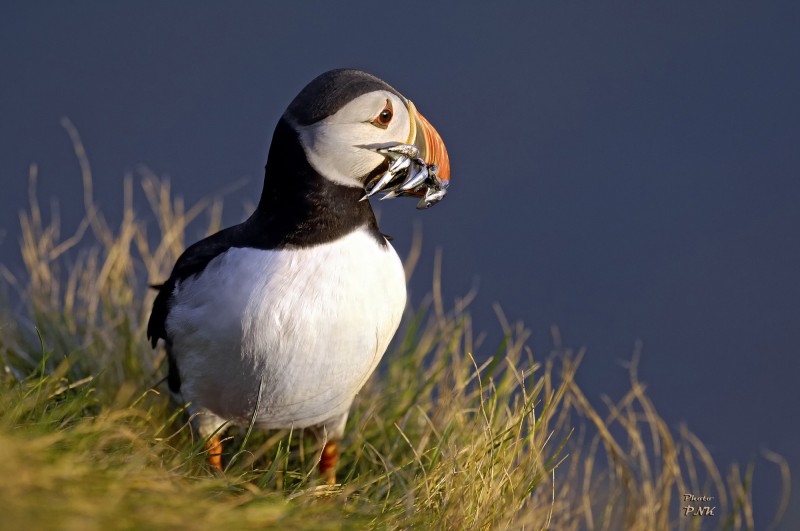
x,y
434,439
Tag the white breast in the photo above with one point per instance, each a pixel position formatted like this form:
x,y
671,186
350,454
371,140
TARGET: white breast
x,y
306,326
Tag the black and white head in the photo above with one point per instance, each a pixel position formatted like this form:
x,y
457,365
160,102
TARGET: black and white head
x,y
344,117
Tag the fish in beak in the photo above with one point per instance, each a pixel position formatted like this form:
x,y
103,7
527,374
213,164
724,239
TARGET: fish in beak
x,y
419,168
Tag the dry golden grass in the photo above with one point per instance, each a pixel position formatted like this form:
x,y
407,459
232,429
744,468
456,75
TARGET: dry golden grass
x,y
444,436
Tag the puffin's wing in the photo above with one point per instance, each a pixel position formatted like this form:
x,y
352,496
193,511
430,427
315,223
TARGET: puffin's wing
x,y
192,262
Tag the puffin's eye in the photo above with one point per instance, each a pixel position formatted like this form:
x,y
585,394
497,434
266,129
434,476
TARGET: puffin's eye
x,y
385,116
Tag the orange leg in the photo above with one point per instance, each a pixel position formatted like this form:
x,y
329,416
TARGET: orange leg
x,y
328,460
214,448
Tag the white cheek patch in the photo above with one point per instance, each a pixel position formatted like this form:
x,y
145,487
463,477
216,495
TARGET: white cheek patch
x,y
331,145
331,150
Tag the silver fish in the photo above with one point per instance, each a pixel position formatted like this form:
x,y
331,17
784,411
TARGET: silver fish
x,y
408,175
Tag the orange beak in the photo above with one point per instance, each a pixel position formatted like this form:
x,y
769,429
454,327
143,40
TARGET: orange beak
x,y
430,144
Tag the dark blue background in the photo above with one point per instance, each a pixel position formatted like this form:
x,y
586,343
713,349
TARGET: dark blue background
x,y
625,171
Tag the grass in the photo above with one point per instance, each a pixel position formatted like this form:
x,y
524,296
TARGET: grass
x,y
437,438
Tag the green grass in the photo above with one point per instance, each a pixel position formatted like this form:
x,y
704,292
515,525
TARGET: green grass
x,y
435,439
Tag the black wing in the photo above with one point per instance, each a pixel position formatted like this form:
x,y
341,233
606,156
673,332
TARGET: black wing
x,y
192,262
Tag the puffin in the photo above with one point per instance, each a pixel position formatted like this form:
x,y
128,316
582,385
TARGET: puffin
x,y
278,322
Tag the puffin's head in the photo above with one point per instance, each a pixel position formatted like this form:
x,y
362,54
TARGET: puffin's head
x,y
343,116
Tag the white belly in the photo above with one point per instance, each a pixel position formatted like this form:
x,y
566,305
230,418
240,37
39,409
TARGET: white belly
x,y
305,326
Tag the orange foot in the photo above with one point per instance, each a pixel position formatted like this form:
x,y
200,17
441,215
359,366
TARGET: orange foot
x,y
327,462
214,448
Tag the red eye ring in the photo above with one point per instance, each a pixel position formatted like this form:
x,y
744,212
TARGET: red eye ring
x,y
384,117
